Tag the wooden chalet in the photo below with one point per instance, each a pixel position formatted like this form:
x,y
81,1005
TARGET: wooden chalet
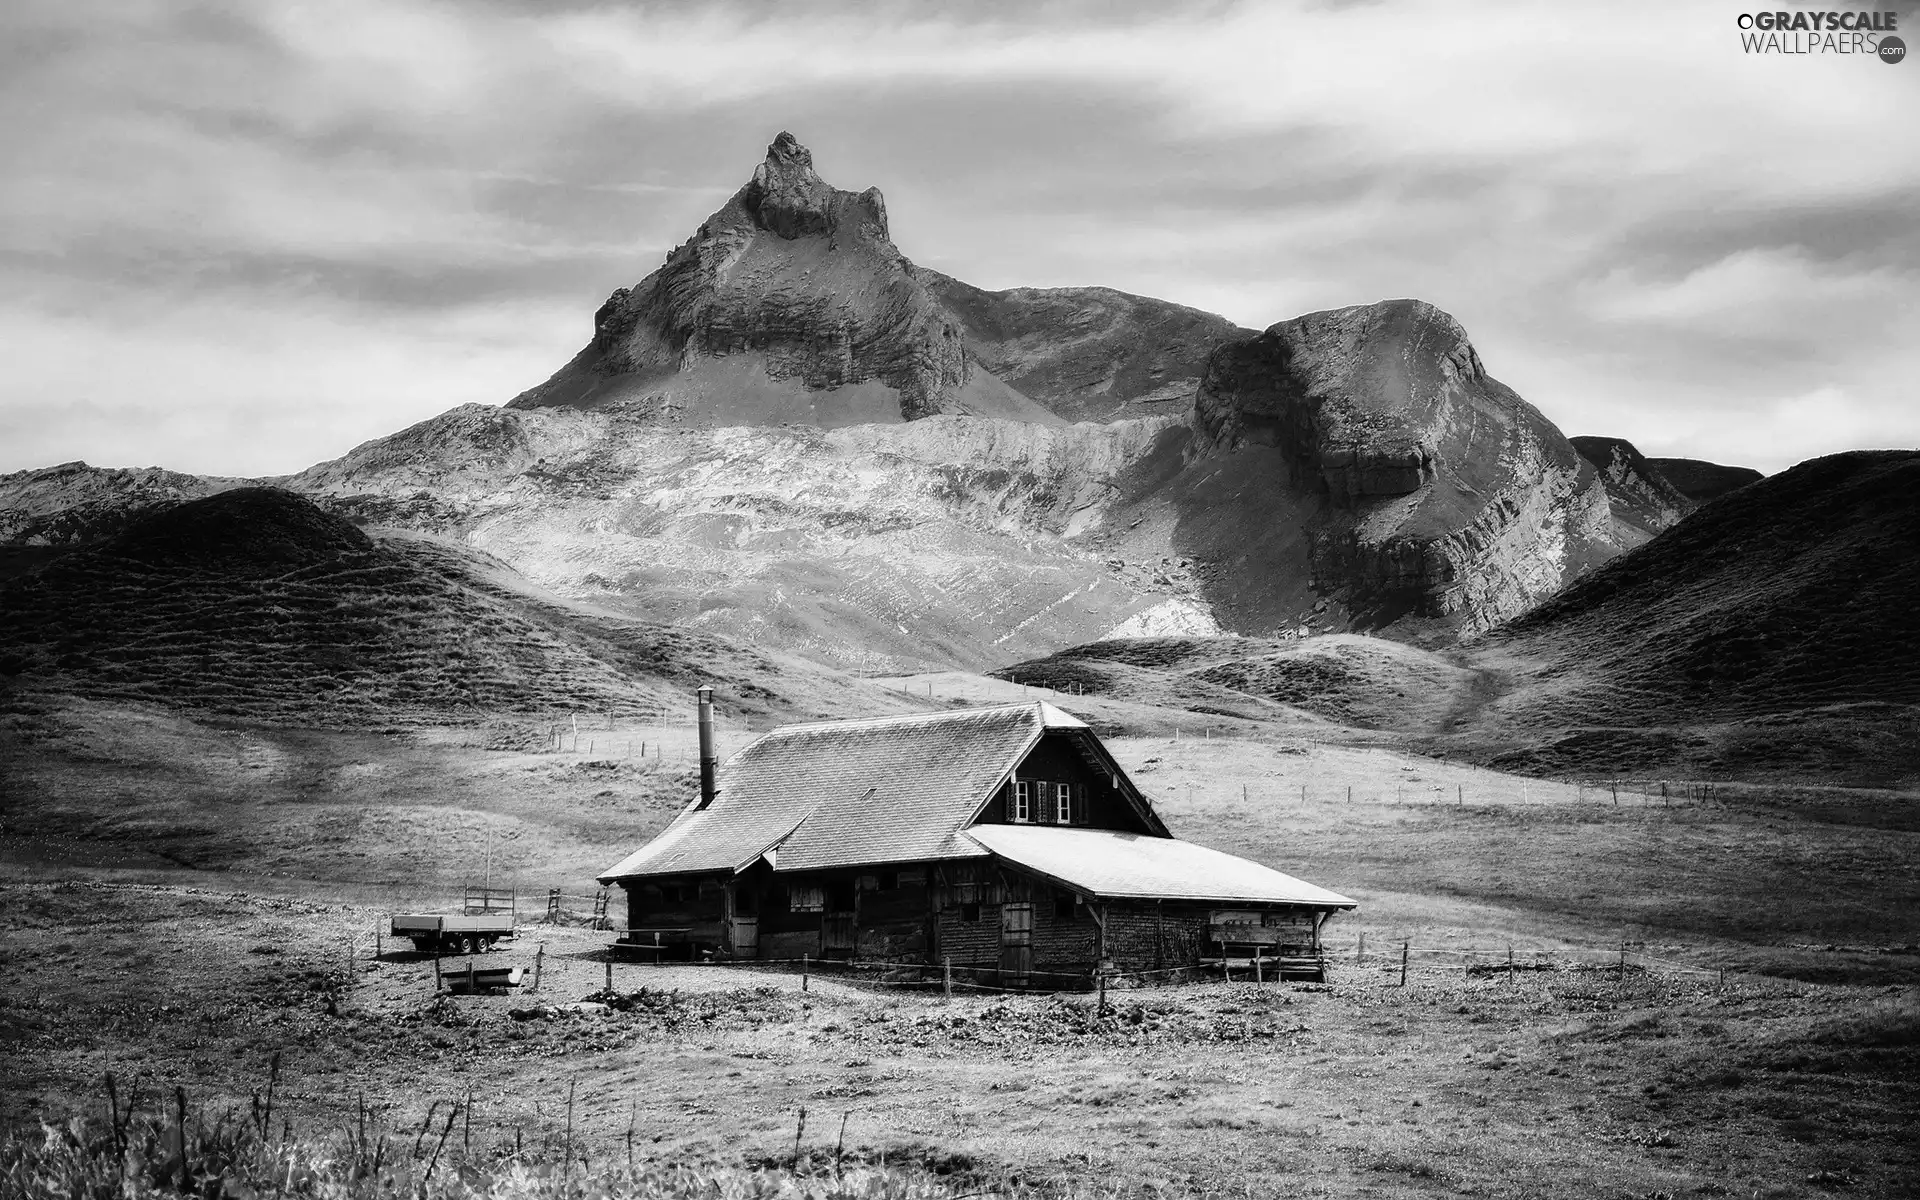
x,y
1005,840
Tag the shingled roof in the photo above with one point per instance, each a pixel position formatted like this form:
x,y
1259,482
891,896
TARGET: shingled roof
x,y
851,793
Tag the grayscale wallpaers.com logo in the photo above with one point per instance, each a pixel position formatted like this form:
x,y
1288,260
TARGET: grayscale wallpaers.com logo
x,y
1865,33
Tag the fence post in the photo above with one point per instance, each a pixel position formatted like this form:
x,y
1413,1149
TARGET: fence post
x,y
539,958
946,977
609,961
1404,948
803,972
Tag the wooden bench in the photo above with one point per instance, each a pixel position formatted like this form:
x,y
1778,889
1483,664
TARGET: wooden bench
x,y
482,979
650,943
1275,952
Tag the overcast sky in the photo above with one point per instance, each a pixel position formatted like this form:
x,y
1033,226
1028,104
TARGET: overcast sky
x,y
240,238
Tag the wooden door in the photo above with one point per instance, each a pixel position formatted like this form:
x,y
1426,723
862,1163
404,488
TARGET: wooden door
x,y
1016,943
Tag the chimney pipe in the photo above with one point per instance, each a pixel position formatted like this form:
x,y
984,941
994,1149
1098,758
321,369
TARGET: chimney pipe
x,y
709,762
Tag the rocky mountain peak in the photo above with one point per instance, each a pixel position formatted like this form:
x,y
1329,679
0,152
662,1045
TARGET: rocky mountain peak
x,y
787,197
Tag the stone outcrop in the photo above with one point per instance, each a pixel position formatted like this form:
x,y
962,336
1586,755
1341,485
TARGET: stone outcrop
x,y
792,270
1642,501
1447,495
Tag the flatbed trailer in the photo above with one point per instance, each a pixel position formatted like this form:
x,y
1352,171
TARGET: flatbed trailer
x,y
488,916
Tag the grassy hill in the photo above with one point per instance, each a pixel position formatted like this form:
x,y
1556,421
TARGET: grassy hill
x,y
256,604
1772,631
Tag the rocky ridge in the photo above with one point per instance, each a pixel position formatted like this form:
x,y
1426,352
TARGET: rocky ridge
x,y
1445,495
1642,501
792,270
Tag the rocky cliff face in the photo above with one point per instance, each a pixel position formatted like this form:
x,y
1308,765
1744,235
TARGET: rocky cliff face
x,y
1642,501
791,270
1445,494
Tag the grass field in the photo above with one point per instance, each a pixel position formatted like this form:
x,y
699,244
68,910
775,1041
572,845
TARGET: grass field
x,y
183,899
1556,1084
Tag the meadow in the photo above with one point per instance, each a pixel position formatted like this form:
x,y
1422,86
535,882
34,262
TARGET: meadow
x,y
186,902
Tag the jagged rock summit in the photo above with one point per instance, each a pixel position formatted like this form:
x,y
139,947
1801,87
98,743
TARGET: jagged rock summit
x,y
791,303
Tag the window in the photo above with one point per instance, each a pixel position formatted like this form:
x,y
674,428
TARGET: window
x,y
1022,803
1063,905
804,898
1064,804
970,913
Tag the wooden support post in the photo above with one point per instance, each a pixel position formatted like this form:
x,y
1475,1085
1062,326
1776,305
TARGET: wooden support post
x,y
946,977
803,972
609,972
1405,949
1257,973
1101,972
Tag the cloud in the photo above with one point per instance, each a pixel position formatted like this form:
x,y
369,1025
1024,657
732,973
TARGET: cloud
x,y
310,219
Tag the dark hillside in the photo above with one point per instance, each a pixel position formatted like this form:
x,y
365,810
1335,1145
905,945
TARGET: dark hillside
x,y
1787,607
1701,481
256,603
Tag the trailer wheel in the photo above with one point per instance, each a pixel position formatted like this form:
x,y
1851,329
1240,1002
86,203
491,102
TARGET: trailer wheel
x,y
472,944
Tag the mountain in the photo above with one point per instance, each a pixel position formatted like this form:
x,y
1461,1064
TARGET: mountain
x,y
1702,481
1419,486
45,511
1774,629
791,303
790,433
1087,353
256,603
1641,499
